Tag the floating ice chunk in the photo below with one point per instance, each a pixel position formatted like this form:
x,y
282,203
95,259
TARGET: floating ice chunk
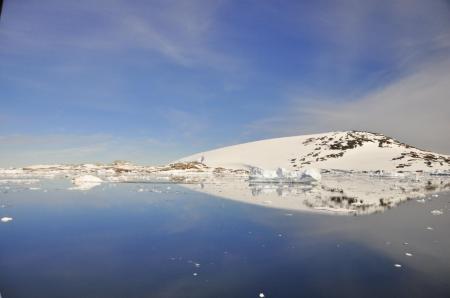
x,y
86,182
408,254
437,212
6,219
86,179
195,274
398,265
421,201
435,195
261,295
430,229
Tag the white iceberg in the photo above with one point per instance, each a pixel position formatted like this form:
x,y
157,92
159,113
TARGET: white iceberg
x,y
86,182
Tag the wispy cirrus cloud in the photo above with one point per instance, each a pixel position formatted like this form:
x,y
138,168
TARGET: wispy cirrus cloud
x,y
180,31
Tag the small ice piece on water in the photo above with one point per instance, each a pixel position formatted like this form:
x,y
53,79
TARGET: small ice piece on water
x,y
261,295
6,219
140,190
437,212
435,195
430,228
195,274
408,254
397,265
86,182
421,201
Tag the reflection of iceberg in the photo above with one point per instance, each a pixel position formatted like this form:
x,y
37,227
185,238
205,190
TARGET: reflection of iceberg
x,y
279,189
281,175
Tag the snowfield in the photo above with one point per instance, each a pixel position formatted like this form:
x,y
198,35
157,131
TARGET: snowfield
x,y
337,172
348,150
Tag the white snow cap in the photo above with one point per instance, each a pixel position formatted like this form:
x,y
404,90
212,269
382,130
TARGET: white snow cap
x,y
341,150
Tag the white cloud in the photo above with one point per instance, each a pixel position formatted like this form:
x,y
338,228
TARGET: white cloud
x,y
414,109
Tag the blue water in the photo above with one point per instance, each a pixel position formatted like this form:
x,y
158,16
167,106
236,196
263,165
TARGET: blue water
x,y
116,242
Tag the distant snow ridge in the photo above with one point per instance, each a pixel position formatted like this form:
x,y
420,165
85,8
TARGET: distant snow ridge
x,y
348,150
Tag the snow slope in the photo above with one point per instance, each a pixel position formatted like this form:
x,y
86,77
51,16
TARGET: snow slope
x,y
348,150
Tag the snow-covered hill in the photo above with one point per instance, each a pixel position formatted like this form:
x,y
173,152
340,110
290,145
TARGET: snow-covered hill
x,y
348,150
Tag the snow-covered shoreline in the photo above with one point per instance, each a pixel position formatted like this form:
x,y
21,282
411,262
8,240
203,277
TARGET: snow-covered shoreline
x,y
338,172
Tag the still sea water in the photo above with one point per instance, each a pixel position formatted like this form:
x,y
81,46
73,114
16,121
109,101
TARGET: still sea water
x,y
116,241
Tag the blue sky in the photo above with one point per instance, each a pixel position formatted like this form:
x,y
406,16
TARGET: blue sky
x,y
151,81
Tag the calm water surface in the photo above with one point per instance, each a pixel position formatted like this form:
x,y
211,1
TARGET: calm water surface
x,y
114,241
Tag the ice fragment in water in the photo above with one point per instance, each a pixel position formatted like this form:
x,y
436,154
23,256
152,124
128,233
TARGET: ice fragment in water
x,y
437,212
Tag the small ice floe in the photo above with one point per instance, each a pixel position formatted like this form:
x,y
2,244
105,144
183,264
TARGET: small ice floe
x,y
85,182
281,175
435,195
437,212
422,201
6,219
195,274
397,265
261,295
408,254
430,229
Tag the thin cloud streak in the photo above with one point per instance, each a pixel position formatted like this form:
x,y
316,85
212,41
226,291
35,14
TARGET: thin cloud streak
x,y
178,30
